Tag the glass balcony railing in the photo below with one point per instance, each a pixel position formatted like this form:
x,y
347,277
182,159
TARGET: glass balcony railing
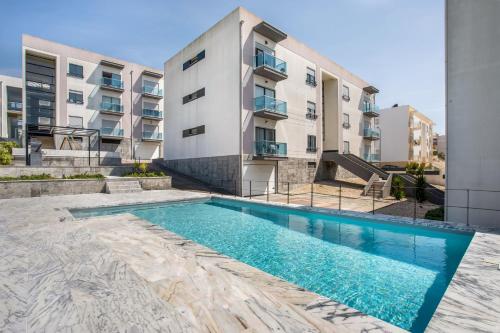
x,y
152,113
152,90
111,83
109,131
111,107
371,109
152,136
371,133
371,157
266,103
270,61
270,148
15,106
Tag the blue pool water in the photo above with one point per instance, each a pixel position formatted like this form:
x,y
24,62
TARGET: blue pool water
x,y
392,272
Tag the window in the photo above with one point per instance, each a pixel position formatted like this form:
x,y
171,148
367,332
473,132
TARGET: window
x,y
311,165
345,93
111,100
265,134
345,123
111,104
311,77
193,131
75,70
346,147
191,97
75,122
263,91
112,79
75,97
311,110
193,60
311,143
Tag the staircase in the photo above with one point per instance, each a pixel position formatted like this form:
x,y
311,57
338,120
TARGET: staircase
x,y
433,194
376,189
355,165
122,186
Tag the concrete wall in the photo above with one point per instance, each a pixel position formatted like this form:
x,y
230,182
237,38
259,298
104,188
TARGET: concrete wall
x,y
472,118
131,98
7,81
395,134
59,172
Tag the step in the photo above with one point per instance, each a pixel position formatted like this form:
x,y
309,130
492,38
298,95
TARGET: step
x,y
125,186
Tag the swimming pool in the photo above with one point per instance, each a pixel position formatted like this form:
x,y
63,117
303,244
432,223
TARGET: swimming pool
x,y
397,273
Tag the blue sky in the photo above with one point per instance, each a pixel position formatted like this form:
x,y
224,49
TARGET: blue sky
x,y
398,45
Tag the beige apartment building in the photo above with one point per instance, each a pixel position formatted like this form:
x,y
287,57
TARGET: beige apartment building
x,y
11,107
65,87
407,136
246,102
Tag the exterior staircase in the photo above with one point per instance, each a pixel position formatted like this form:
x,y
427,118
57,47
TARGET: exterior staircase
x,y
122,186
376,189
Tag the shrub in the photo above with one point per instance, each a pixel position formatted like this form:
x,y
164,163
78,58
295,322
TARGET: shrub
x,y
31,177
435,214
146,174
143,167
420,188
6,152
398,188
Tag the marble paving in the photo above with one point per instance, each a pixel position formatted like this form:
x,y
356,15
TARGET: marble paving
x,y
122,274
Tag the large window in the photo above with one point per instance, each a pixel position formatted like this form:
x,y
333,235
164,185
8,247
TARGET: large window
x,y
263,91
345,93
311,77
75,70
311,143
40,90
311,110
75,97
265,134
191,97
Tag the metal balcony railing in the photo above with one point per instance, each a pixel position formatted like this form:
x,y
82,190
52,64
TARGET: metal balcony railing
x,y
152,136
270,104
270,61
111,83
270,148
152,90
152,113
109,131
111,107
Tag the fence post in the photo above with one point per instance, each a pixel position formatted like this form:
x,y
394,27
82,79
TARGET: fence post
x,y
288,193
312,191
340,197
250,190
415,204
235,190
468,207
373,201
267,191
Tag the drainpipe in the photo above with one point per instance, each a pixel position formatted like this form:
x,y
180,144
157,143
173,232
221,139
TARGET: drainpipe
x,y
132,152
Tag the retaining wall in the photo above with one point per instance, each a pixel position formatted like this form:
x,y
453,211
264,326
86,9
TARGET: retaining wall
x,y
60,172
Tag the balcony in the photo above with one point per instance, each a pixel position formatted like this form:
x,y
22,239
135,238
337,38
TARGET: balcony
x,y
109,132
267,30
270,108
371,134
15,106
152,136
111,84
152,91
371,110
371,157
270,150
111,108
152,114
269,66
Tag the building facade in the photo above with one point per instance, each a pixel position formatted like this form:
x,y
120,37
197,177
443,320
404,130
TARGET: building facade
x,y
407,136
247,102
11,108
472,115
65,86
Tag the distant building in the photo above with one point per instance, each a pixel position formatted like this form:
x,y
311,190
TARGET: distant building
x,y
440,144
472,112
406,136
11,107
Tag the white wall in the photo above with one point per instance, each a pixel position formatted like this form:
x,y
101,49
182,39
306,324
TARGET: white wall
x,y
395,133
4,82
472,113
219,109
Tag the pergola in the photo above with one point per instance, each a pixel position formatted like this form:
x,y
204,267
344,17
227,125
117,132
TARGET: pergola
x,y
50,130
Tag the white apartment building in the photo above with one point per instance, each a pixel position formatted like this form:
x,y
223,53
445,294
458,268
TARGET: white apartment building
x,y
11,107
245,101
407,136
70,87
472,112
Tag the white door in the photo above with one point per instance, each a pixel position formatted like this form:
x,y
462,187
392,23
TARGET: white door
x,y
261,175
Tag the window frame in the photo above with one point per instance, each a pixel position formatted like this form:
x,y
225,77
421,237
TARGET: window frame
x,y
71,73
345,124
311,79
312,139
346,97
75,92
311,115
81,121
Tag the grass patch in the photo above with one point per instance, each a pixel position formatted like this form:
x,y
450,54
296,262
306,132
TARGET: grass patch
x,y
31,177
435,214
85,176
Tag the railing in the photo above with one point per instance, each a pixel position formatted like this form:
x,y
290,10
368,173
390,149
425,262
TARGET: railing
x,y
16,106
109,131
371,108
311,115
152,113
266,103
270,61
113,83
270,148
111,107
371,133
152,90
371,157
152,136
